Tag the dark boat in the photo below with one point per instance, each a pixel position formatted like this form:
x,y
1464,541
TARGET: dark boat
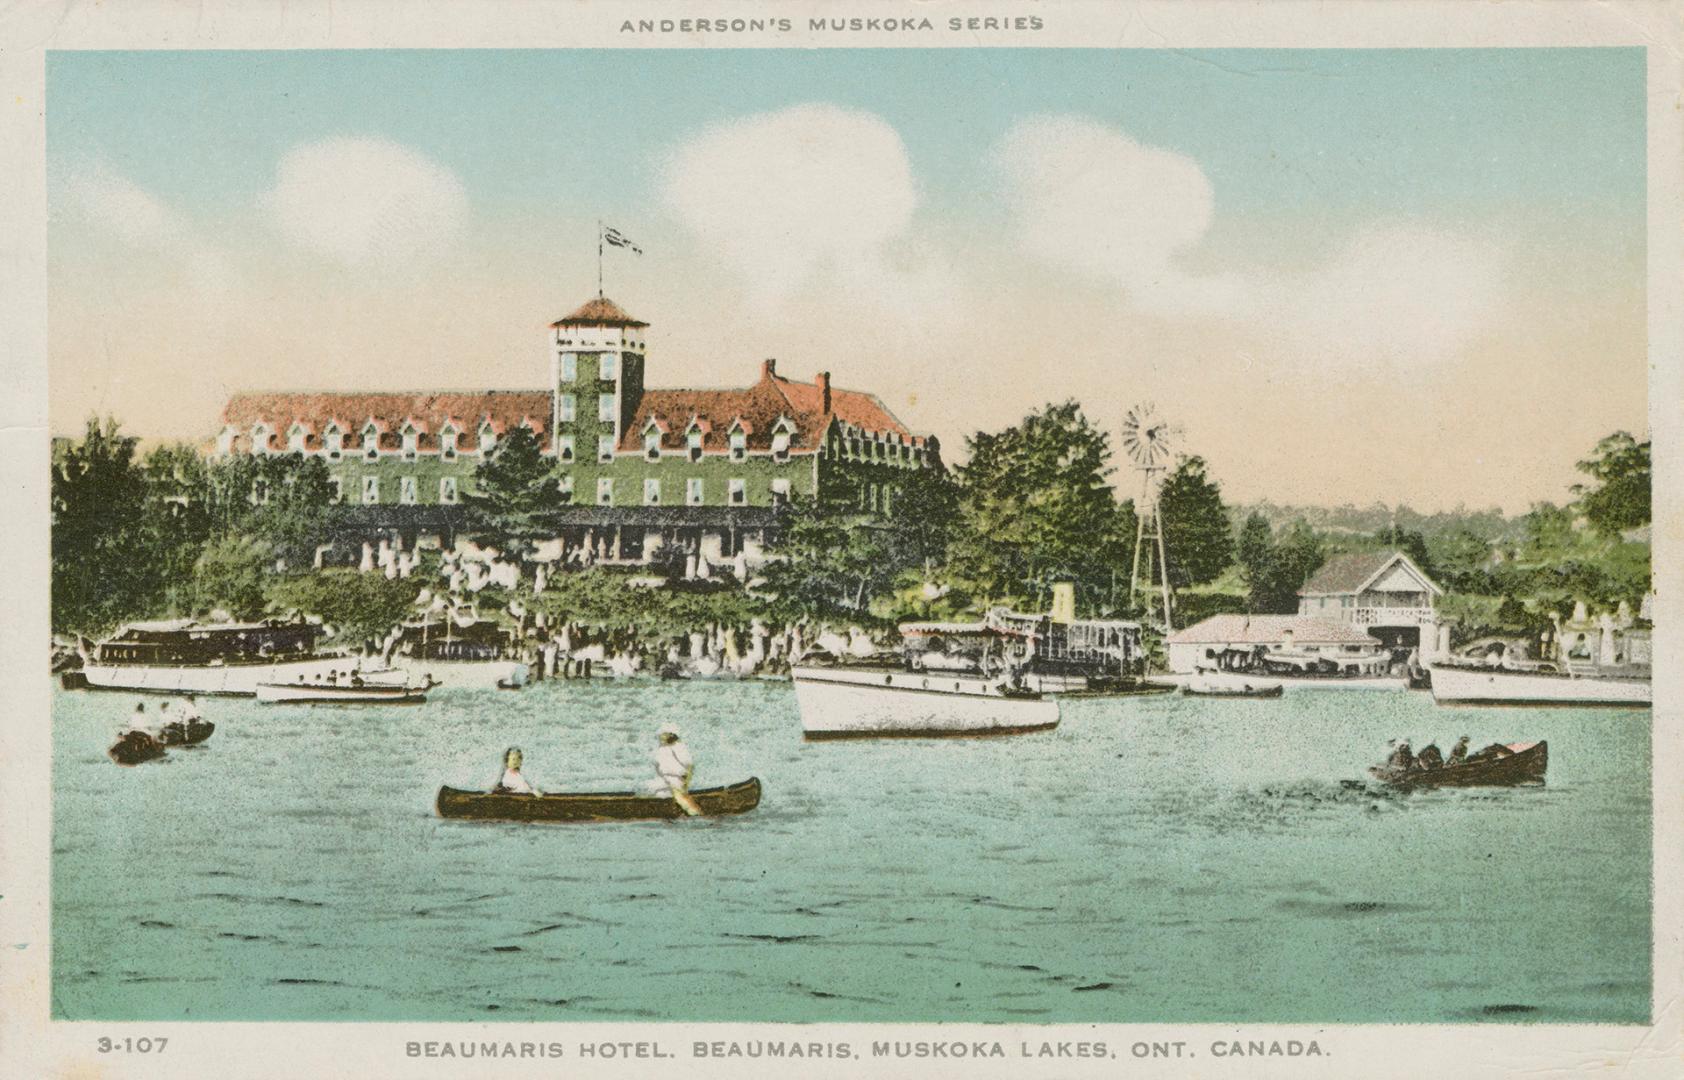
x,y
1525,764
1273,690
135,747
192,733
600,806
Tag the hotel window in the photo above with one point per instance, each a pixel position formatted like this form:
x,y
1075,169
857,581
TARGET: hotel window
x,y
411,444
605,370
564,487
780,446
694,440
371,442
336,489
738,490
225,442
406,490
259,439
652,446
447,444
564,447
604,491
447,490
780,491
295,440
693,492
569,407
569,366
487,439
739,445
259,492
371,489
886,490
335,440
605,448
605,408
651,492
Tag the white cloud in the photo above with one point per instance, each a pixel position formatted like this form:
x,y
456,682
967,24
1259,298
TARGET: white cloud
x,y
1088,197
808,194
114,204
366,203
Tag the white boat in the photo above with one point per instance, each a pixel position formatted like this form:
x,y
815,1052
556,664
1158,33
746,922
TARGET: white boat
x,y
183,656
227,680
874,701
367,693
1463,685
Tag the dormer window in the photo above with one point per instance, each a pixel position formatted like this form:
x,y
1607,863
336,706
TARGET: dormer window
x,y
411,442
371,442
780,440
447,442
260,438
487,438
652,445
225,442
739,445
295,439
334,440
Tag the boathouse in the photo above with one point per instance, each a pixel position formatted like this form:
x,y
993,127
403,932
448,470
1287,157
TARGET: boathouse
x,y
1381,592
688,480
1225,641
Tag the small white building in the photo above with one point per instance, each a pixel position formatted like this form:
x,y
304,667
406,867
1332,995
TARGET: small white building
x,y
1225,641
1381,592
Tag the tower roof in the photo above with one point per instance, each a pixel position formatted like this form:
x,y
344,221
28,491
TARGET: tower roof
x,y
599,311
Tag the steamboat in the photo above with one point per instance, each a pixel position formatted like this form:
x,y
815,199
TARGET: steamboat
x,y
182,656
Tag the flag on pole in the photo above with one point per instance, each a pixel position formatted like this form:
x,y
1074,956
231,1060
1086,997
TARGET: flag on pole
x,y
616,238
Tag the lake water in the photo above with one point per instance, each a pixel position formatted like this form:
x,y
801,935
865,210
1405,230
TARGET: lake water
x,y
1153,859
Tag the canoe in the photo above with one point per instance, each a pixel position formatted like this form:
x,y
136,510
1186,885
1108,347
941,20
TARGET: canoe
x,y
135,747
196,731
1270,690
1525,766
369,693
598,806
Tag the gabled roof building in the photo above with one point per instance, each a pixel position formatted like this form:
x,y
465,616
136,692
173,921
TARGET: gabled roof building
x,y
644,473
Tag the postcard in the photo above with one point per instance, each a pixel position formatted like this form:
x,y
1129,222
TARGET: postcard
x,y
867,539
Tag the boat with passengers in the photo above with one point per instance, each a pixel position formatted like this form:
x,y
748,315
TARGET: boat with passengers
x,y
184,656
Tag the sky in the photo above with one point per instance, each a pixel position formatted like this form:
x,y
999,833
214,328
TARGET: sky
x,y
1396,276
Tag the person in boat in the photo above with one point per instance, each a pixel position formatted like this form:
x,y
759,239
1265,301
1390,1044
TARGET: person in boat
x,y
673,768
1429,757
1491,753
1401,758
356,678
513,783
1458,753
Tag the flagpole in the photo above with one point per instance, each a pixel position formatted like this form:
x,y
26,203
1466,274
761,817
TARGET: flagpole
x,y
599,258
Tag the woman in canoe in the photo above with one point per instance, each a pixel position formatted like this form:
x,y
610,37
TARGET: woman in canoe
x,y
673,766
513,783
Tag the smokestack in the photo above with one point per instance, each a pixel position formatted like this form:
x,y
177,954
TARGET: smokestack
x,y
823,381
768,368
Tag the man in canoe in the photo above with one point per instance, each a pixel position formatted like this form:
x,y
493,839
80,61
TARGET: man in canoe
x,y
1402,759
673,766
513,783
1458,753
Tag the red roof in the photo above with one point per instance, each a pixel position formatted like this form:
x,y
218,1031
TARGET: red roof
x,y
428,409
758,408
599,311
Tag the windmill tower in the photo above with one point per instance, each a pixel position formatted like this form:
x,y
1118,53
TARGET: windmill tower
x,y
1146,438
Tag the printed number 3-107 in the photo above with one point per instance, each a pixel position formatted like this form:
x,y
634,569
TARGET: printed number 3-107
x,y
132,1046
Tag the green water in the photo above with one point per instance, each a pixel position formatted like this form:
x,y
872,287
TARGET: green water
x,y
1156,859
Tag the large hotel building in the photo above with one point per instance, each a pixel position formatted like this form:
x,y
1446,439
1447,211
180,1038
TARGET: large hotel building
x,y
638,470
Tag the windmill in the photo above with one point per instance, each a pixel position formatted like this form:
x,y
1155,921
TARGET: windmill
x,y
1147,438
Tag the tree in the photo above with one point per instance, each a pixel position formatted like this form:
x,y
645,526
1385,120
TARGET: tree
x,y
1408,541
230,576
1461,559
102,569
1036,507
514,502
923,517
1254,552
282,500
1197,539
1274,570
361,608
1620,498
830,561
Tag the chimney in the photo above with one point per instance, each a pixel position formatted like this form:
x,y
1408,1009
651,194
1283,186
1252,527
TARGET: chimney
x,y
823,381
768,369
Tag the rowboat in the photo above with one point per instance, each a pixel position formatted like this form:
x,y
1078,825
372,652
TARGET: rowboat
x,y
598,806
1524,765
195,731
1233,690
368,693
134,747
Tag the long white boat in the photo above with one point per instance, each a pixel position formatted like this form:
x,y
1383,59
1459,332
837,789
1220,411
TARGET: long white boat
x,y
182,656
367,693
879,701
1458,685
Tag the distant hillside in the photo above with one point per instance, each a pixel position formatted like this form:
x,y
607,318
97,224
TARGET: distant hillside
x,y
1332,521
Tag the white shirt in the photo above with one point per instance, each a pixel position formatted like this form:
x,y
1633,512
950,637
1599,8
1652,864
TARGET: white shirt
x,y
672,761
515,782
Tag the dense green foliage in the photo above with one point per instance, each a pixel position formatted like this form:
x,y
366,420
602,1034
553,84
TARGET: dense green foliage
x,y
514,501
1274,570
1620,498
1195,524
